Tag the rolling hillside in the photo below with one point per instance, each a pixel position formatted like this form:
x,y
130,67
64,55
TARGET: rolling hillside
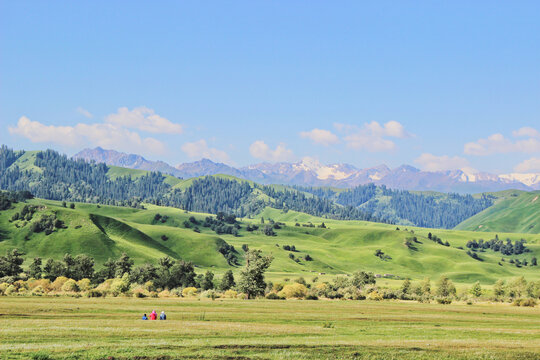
x,y
517,212
341,248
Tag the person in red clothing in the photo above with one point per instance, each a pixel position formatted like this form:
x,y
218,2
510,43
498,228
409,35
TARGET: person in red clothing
x,y
153,315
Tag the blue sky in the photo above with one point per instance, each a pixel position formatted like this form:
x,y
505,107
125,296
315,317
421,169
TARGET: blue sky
x,y
435,85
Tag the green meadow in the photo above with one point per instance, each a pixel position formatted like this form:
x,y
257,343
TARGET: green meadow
x,y
70,328
342,247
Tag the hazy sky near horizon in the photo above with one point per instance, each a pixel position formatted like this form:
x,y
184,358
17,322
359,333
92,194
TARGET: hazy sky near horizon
x,y
432,84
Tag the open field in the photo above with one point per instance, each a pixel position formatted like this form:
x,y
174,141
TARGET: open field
x,y
69,328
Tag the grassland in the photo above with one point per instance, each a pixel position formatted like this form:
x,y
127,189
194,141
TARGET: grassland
x,y
69,328
517,212
343,247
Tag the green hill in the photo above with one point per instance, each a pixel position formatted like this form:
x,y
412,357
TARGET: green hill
x,y
517,212
341,248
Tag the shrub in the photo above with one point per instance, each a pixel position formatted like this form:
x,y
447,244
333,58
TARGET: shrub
x,y
210,294
45,284
312,297
139,292
38,290
58,283
84,284
374,295
294,290
274,296
444,300
230,294
70,286
120,285
11,290
189,291
164,294
94,293
3,288
524,302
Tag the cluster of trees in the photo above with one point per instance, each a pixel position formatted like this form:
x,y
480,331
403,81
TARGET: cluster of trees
x,y
222,224
298,201
442,211
437,239
381,255
497,245
166,274
62,178
8,198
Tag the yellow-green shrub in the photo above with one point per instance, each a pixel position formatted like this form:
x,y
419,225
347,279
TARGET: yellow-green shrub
x,y
230,294
189,291
84,284
70,286
58,283
294,290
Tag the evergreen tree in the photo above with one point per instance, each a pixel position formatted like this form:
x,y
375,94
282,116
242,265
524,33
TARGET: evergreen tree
x,y
208,281
227,282
35,268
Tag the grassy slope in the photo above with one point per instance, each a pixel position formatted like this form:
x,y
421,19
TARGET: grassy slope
x,y
346,246
513,213
116,172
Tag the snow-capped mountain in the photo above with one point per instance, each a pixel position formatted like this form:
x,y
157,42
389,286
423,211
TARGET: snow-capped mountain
x,y
310,172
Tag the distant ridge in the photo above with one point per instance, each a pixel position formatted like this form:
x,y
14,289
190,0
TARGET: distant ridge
x,y
310,172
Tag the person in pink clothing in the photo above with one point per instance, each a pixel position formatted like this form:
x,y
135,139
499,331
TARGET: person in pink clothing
x,y
153,315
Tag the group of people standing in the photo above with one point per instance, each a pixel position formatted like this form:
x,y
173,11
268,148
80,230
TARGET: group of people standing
x,y
153,316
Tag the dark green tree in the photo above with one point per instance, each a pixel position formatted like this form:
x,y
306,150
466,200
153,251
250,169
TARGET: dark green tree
x,y
227,282
208,281
34,270
252,276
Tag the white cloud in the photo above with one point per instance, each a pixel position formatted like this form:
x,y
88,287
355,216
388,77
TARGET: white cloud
x,y
145,119
498,144
430,162
260,150
526,132
104,135
373,136
530,165
85,113
319,136
200,149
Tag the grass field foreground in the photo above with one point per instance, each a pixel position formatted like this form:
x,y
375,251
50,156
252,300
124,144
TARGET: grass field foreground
x,y
71,328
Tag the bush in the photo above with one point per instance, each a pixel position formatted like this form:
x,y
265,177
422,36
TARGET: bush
x,y
274,296
70,286
139,293
525,302
444,300
94,293
210,294
189,292
295,290
120,285
59,283
312,297
374,295
38,290
164,294
84,284
230,294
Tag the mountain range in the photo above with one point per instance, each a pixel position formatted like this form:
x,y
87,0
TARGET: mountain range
x,y
310,172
